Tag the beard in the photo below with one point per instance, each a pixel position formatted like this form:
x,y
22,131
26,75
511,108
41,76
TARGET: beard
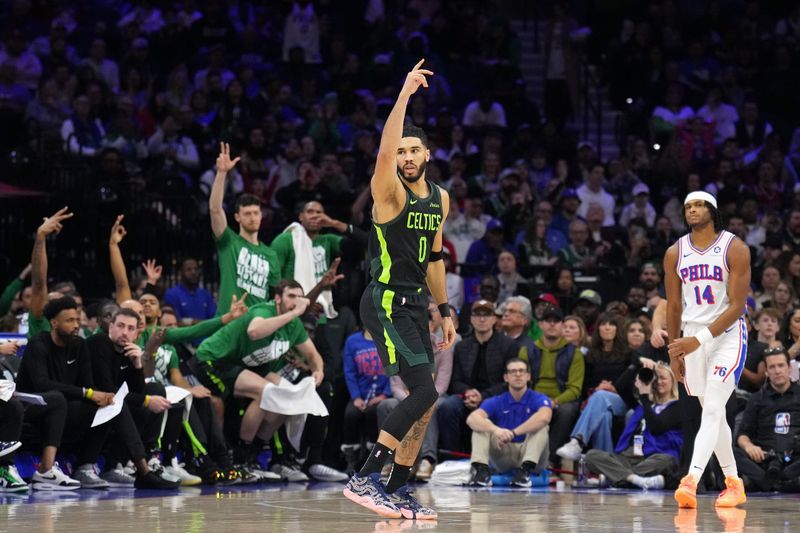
x,y
415,177
66,336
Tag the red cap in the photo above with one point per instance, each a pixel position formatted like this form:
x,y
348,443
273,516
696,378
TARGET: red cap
x,y
549,298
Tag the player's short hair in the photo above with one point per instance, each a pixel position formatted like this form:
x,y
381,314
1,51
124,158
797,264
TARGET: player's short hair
x,y
125,311
414,131
286,283
54,307
245,200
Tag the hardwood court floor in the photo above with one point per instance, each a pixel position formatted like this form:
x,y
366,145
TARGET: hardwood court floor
x,y
320,507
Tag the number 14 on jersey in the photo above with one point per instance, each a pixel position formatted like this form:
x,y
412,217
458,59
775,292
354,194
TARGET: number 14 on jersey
x,y
707,295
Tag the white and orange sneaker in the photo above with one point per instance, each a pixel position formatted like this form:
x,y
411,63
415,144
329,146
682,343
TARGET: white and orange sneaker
x,y
733,494
686,493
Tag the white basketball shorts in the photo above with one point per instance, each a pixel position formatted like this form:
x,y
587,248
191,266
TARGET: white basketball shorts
x,y
722,359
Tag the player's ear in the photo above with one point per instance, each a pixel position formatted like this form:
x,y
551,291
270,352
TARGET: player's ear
x,y
427,154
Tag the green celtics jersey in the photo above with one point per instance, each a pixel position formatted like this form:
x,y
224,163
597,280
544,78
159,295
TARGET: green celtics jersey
x,y
244,267
399,249
323,248
166,358
232,344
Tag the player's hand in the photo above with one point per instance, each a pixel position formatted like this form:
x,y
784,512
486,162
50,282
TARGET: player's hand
x,y
118,231
678,367
323,220
376,400
755,453
359,404
300,306
198,391
414,79
330,277
9,348
683,346
152,270
102,399
659,338
502,436
224,163
134,353
158,404
449,331
237,309
53,223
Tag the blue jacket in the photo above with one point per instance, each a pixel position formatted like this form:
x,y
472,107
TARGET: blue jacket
x,y
662,432
363,370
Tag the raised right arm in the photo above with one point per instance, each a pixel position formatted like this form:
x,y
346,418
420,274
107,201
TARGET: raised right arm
x,y
39,260
224,165
384,184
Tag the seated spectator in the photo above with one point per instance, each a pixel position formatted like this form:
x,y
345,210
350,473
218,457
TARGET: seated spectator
x,y
557,369
533,248
564,288
465,228
454,282
592,193
510,430
57,365
578,254
650,445
240,360
770,277
368,386
517,315
568,204
511,282
117,360
484,112
670,116
575,333
82,133
483,253
588,307
723,116
751,129
640,208
478,366
766,454
188,299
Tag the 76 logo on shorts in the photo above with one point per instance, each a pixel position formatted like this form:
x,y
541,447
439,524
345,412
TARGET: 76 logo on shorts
x,y
720,371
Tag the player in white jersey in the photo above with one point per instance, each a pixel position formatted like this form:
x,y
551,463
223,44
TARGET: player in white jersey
x,y
707,277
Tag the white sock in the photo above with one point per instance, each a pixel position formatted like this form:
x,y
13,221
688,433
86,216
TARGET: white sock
x,y
709,434
636,480
724,450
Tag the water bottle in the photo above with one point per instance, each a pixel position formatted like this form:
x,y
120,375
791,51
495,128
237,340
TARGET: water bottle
x,y
638,445
580,477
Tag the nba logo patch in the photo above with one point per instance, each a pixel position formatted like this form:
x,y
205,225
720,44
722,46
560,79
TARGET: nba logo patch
x,y
717,249
782,423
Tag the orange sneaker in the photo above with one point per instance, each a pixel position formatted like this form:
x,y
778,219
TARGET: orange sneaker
x,y
733,495
686,494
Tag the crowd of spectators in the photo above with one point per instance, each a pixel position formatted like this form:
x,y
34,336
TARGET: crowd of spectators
x,y
553,253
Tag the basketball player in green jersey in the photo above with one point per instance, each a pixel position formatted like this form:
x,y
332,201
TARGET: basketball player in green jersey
x,y
406,257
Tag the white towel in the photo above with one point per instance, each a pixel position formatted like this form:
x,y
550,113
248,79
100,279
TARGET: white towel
x,y
451,473
304,267
7,388
295,401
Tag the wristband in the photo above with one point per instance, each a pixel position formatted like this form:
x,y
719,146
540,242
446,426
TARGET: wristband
x,y
514,433
704,336
147,401
89,393
444,310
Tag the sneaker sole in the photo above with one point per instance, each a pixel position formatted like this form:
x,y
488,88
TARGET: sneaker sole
x,y
52,488
725,504
685,499
95,487
117,485
410,515
191,482
365,501
11,449
23,488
